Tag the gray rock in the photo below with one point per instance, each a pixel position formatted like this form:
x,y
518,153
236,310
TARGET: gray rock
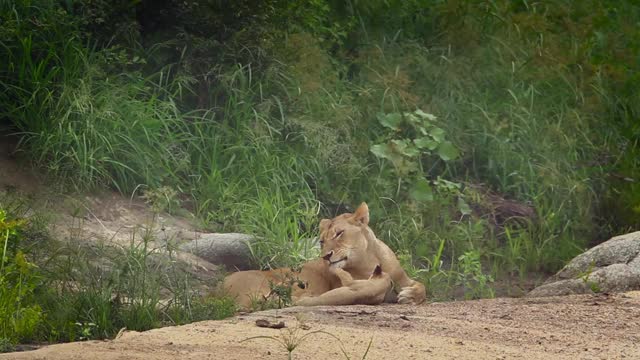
x,y
231,250
561,288
616,277
613,266
619,250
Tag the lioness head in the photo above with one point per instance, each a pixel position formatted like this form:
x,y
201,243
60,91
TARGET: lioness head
x,y
343,239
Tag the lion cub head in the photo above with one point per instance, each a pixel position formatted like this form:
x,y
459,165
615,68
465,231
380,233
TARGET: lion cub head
x,y
344,239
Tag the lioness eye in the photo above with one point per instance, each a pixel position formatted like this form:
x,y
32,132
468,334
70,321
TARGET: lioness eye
x,y
339,233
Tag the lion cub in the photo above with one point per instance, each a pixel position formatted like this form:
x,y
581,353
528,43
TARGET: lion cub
x,y
353,292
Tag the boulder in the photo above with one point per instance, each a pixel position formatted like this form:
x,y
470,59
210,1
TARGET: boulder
x,y
230,249
613,266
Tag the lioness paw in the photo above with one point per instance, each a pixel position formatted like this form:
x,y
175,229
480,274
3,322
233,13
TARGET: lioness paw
x,y
406,297
414,294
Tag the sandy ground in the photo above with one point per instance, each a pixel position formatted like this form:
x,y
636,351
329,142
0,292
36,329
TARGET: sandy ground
x,y
573,327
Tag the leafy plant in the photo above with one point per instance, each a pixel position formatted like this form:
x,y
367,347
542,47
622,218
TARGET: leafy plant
x,y
20,314
415,138
585,276
6,345
85,330
412,136
474,281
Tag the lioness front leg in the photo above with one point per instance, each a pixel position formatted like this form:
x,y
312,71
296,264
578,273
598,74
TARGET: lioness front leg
x,y
409,291
414,293
340,296
353,292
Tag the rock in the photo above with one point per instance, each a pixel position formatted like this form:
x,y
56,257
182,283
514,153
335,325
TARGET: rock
x,y
613,266
231,250
621,249
561,288
616,278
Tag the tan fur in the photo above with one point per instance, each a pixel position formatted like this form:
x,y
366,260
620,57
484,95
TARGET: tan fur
x,y
353,292
247,286
347,244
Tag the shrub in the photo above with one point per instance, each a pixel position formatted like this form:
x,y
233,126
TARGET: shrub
x,y
20,314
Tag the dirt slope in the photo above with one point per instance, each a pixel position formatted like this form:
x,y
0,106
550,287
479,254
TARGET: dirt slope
x,y
573,327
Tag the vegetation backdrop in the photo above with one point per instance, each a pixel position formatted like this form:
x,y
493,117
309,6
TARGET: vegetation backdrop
x,y
491,139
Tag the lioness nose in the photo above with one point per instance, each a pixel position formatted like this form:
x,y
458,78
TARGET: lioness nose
x,y
328,256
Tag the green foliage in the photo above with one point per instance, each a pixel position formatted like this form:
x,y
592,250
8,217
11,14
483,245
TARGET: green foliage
x,y
413,141
85,330
422,138
81,123
20,314
474,281
105,299
212,308
585,277
6,345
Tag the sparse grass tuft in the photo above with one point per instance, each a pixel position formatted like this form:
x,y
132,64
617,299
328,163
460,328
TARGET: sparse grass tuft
x,y
292,338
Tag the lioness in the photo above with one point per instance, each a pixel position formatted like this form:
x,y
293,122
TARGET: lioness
x,y
353,292
347,243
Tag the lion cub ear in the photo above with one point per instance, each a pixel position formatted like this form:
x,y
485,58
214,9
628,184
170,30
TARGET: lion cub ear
x,y
362,214
324,225
377,271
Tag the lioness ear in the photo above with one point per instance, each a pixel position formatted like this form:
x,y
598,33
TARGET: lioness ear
x,y
362,214
324,225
